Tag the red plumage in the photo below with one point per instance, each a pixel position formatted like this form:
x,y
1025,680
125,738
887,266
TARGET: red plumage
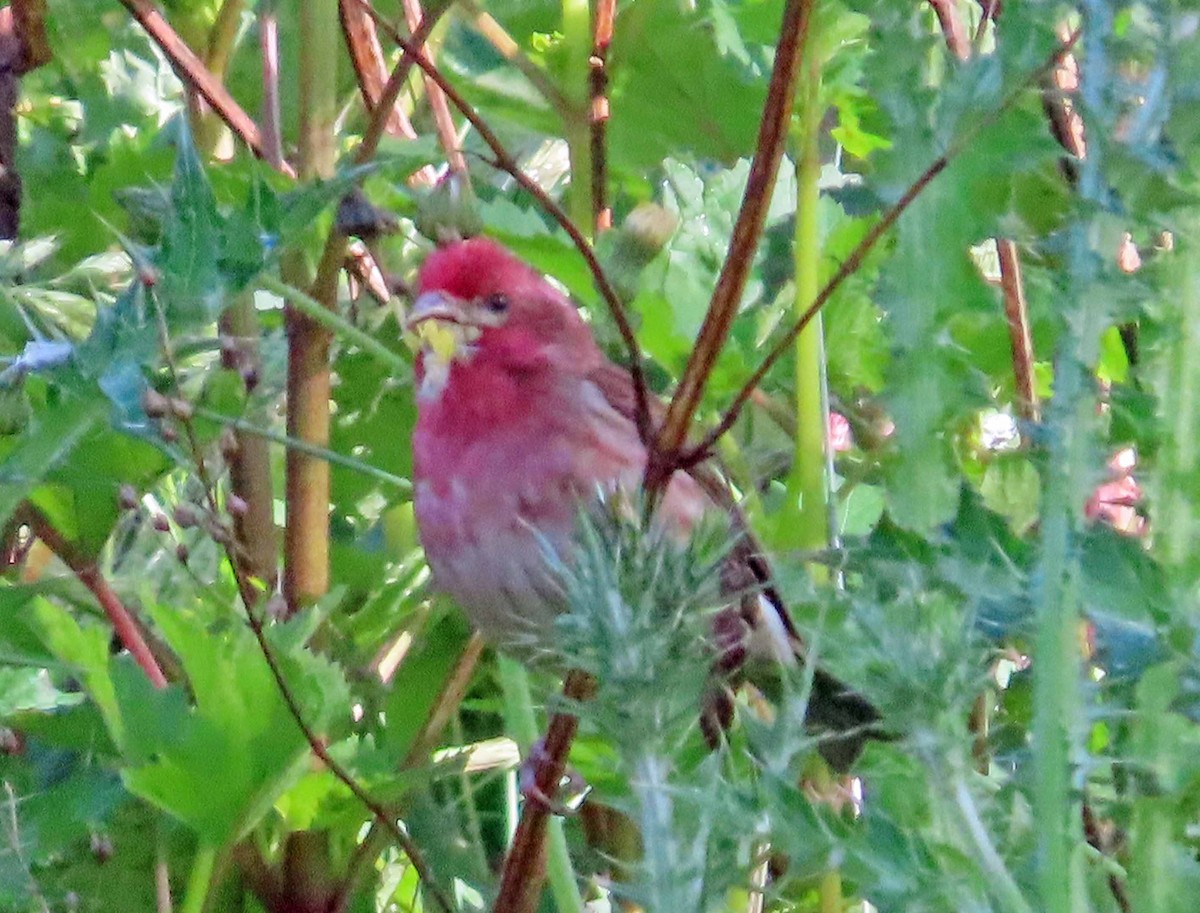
x,y
521,418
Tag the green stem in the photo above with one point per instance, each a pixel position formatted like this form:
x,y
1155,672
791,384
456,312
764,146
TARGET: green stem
x,y
331,320
521,723
254,429
320,50
577,38
1175,519
806,514
199,879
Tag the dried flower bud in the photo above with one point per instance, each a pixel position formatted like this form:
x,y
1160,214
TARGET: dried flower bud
x,y
182,553
168,433
250,378
127,497
155,404
230,352
161,523
181,409
236,505
186,515
220,533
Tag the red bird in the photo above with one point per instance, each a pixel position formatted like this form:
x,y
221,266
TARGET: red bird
x,y
520,416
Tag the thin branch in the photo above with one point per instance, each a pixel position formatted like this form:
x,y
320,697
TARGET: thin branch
x,y
507,48
127,629
255,622
448,701
268,43
952,27
1016,310
442,120
192,71
1061,83
606,11
367,56
743,241
855,259
391,89
524,866
505,162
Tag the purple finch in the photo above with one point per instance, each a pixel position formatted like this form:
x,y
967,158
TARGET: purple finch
x,y
522,417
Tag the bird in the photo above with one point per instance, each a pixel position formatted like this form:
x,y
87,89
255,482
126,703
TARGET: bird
x,y
521,417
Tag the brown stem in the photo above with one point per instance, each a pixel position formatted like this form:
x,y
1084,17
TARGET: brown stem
x,y
442,120
505,162
369,66
1016,310
525,865
606,11
987,13
126,628
742,243
268,42
250,461
306,565
29,23
1066,123
852,262
192,72
952,27
309,381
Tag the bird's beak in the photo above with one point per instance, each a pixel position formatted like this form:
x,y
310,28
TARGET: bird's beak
x,y
441,324
434,306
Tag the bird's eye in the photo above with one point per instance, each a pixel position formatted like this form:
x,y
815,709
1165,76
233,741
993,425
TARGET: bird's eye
x,y
497,303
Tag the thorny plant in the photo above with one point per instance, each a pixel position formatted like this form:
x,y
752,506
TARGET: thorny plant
x,y
962,559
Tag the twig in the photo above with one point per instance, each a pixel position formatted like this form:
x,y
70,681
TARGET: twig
x,y
606,11
727,295
505,162
258,430
268,42
524,866
1016,310
953,28
852,262
504,44
124,626
987,13
192,71
1065,121
439,717
442,121
255,623
367,57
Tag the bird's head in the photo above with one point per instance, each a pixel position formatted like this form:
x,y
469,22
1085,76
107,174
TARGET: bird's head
x,y
477,303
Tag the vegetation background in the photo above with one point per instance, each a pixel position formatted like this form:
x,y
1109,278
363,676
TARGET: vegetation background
x,y
222,678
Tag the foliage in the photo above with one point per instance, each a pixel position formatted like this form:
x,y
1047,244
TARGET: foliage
x,y
1028,635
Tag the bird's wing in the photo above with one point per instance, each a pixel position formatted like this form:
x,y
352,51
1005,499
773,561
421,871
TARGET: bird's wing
x,y
749,572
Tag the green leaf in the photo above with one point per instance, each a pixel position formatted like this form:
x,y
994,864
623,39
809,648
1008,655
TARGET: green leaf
x,y
49,438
